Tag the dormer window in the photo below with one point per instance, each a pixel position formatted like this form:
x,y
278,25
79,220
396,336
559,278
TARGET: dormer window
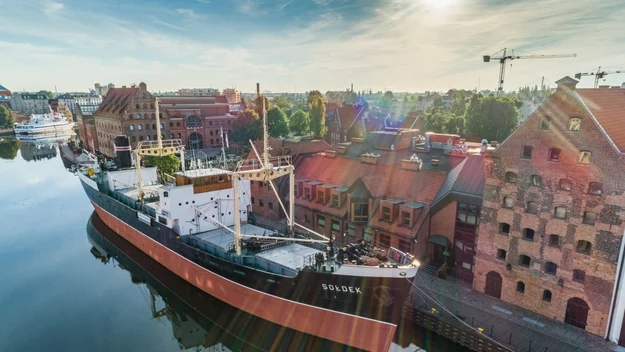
x,y
584,157
335,200
405,218
386,213
595,188
575,124
554,154
307,193
545,123
321,196
526,152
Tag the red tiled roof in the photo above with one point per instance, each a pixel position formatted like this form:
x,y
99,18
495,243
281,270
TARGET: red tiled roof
x,y
376,184
348,114
116,101
221,99
608,107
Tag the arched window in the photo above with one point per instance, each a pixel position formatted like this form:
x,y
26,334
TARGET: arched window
x,y
554,154
138,106
145,106
177,124
139,127
528,234
555,241
595,188
133,139
575,124
153,115
130,116
584,247
524,260
179,135
547,296
194,121
147,126
155,137
140,138
154,126
510,177
171,136
526,152
545,123
579,275
131,127
551,268
565,184
162,126
171,124
152,106
145,116
147,137
520,287
536,180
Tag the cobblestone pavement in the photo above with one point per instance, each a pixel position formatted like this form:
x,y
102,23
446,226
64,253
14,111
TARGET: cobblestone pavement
x,y
512,326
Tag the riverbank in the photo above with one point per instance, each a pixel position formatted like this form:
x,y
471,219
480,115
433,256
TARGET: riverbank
x,y
4,132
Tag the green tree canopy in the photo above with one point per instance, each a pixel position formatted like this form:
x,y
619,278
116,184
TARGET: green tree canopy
x,y
455,125
317,118
435,119
277,124
247,126
47,93
8,149
312,95
459,103
283,103
165,165
438,101
258,104
491,118
299,123
6,119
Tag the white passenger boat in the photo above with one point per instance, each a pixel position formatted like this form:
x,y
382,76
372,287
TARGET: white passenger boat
x,y
45,124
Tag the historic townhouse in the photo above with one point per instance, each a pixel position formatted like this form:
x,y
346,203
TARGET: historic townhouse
x,y
551,221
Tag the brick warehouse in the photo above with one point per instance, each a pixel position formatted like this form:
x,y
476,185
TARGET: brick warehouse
x,y
551,219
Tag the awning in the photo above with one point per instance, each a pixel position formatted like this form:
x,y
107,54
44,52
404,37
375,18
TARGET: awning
x,y
440,240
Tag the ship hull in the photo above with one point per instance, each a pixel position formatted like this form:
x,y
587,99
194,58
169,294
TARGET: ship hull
x,y
336,307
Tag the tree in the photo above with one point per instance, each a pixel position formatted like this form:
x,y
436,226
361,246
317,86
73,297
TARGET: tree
x,y
282,103
458,104
386,100
277,124
491,118
247,126
299,123
8,149
317,118
165,165
47,93
258,104
435,119
438,101
6,118
455,125
312,95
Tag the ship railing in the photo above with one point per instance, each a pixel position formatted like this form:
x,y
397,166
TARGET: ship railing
x,y
273,162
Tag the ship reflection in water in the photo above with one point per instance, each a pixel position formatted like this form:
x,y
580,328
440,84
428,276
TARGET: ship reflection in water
x,y
200,321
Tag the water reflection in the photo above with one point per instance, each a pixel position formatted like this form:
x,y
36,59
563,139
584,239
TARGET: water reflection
x,y
8,148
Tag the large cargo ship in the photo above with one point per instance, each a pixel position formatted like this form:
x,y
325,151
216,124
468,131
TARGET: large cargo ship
x,y
196,225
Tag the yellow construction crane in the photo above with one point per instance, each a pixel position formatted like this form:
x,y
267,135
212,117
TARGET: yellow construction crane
x,y
598,75
504,57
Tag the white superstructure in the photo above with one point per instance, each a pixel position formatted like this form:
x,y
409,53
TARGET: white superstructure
x,y
45,123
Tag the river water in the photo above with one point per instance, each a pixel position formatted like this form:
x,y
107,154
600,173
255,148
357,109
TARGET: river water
x,y
66,283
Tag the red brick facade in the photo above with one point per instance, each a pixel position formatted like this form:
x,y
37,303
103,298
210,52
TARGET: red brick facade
x,y
539,185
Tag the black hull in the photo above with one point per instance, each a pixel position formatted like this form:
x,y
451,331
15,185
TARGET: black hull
x,y
375,298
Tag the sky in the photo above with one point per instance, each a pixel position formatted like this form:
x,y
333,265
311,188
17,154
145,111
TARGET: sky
x,y
300,45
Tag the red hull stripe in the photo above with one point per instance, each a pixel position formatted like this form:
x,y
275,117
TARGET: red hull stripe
x,y
348,329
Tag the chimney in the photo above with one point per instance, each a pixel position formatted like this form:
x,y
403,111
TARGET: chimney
x,y
369,158
566,83
341,149
412,164
352,87
330,154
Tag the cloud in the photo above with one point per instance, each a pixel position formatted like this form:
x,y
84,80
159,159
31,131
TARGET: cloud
x,y
50,8
186,12
322,2
281,7
204,1
249,7
167,24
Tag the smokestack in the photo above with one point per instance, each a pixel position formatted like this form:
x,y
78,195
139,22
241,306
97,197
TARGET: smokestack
x,y
258,89
352,87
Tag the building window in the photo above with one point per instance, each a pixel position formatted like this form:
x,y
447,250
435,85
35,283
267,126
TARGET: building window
x,y
536,180
140,138
145,116
361,212
528,234
147,137
524,260
559,213
547,296
321,221
132,127
139,127
138,106
153,116
147,126
555,241
156,137
532,207
584,247
584,157
307,193
386,213
179,135
335,200
177,124
261,203
252,200
405,218
194,121
501,254
551,268
510,177
307,218
171,136
565,185
590,218
504,228
579,275
270,206
138,117
336,225
404,246
595,188
508,202
321,197
133,139
554,154
526,152
385,241
575,124
520,287
545,123
171,124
